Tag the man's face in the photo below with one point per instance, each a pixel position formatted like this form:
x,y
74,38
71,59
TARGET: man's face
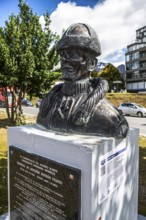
x,y
73,64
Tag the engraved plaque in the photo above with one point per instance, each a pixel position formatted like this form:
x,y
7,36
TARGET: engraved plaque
x,y
42,189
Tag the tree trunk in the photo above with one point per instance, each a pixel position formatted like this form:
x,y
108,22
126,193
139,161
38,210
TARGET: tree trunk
x,y
7,103
13,107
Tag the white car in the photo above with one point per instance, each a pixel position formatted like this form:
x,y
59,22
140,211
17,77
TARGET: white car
x,y
130,108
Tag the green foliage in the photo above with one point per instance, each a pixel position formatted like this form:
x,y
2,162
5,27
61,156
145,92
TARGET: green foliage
x,y
94,73
20,119
38,90
111,74
27,56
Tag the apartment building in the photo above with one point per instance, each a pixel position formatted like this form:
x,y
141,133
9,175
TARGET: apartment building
x,y
136,63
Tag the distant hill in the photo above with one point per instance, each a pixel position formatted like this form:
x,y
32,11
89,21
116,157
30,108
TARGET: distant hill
x,y
122,70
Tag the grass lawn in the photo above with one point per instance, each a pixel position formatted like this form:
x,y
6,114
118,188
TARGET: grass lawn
x,y
117,98
3,163
3,160
3,167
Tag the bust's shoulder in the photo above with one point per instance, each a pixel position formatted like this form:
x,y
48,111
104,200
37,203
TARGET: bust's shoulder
x,y
49,96
55,89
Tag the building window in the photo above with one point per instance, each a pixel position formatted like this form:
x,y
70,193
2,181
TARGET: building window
x,y
132,56
135,65
129,76
131,48
128,66
135,56
134,86
144,74
127,57
140,85
136,74
129,86
143,54
143,65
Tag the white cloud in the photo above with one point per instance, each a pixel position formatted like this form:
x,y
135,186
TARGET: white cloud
x,y
115,22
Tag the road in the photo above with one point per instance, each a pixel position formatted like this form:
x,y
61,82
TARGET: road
x,y
134,122
30,110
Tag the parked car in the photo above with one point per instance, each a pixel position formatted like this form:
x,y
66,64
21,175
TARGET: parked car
x,y
130,108
26,102
2,104
2,96
38,102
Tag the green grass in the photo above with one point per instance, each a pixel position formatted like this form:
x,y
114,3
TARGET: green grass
x,y
4,123
3,167
3,164
117,98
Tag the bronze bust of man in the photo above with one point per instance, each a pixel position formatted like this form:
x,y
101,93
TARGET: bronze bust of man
x,y
78,105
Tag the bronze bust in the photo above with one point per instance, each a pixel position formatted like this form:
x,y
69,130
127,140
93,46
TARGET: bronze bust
x,y
78,105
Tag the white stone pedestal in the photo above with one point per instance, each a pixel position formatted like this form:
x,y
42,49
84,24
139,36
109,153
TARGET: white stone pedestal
x,y
109,168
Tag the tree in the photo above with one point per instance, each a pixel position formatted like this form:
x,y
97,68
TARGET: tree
x,y
27,57
111,74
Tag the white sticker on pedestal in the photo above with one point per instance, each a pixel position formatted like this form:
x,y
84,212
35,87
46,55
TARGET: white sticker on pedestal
x,y
111,171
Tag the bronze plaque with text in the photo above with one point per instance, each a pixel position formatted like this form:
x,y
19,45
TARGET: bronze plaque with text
x,y
42,189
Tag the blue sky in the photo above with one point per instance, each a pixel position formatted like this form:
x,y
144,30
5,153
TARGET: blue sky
x,y
115,21
7,7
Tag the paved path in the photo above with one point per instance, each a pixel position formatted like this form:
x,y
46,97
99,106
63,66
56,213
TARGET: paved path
x,y
136,122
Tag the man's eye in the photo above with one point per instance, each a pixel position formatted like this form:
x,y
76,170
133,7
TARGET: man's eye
x,y
74,55
70,52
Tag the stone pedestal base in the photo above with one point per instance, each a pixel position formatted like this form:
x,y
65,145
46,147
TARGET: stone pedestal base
x,y
108,167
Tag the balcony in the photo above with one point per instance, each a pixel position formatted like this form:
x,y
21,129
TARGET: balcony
x,y
135,76
141,55
142,65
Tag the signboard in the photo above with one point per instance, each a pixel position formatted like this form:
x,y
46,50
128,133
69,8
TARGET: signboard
x,y
111,171
42,189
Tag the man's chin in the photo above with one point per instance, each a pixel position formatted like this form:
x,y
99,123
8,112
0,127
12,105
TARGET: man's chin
x,y
68,77
71,79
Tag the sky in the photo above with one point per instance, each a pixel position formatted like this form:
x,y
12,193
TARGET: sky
x,y
115,21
